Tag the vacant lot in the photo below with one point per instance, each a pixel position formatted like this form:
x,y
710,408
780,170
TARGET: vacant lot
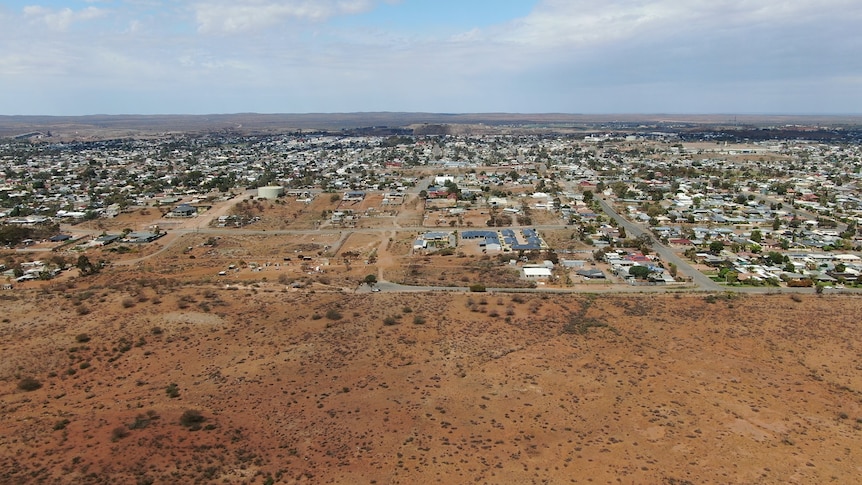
x,y
151,381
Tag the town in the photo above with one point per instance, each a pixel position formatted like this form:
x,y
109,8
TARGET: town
x,y
615,208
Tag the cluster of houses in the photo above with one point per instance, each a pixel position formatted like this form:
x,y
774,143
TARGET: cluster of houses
x,y
790,196
505,240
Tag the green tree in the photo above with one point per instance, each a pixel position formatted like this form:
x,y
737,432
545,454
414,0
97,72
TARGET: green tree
x,y
716,247
775,257
370,280
86,266
639,272
756,236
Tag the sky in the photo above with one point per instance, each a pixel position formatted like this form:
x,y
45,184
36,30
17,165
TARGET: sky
x,y
68,57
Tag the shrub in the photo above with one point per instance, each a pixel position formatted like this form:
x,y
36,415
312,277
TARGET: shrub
x,y
29,384
142,421
419,320
173,391
389,321
333,314
192,419
82,338
128,303
119,433
477,287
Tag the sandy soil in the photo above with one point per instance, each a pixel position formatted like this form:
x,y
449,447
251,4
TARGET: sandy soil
x,y
332,387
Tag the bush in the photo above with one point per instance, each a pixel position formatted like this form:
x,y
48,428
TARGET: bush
x,y
119,433
418,320
173,391
128,303
333,314
29,384
82,338
477,287
192,419
389,321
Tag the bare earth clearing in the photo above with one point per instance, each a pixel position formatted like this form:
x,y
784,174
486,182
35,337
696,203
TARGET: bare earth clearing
x,y
332,387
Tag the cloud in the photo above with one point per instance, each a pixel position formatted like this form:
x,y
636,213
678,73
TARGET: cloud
x,y
564,55
236,16
586,23
61,20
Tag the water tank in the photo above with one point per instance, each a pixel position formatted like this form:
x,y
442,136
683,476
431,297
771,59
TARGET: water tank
x,y
270,192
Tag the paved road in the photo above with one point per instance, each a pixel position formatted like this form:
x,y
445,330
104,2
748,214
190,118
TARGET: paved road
x,y
666,254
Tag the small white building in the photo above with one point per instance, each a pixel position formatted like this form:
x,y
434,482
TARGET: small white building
x,y
536,273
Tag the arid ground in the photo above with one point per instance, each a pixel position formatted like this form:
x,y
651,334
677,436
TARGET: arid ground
x,y
153,381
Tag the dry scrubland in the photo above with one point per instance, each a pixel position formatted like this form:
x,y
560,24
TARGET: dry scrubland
x,y
150,381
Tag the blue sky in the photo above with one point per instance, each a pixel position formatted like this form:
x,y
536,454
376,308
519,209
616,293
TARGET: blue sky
x,y
526,56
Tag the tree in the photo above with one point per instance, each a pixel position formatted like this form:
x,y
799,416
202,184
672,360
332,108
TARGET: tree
x,y
756,236
731,277
85,266
370,280
639,272
716,247
643,242
776,258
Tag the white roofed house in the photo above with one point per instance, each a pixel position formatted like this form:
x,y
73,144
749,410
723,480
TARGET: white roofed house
x,y
536,273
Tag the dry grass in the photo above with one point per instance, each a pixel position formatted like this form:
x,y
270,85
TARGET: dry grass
x,y
460,388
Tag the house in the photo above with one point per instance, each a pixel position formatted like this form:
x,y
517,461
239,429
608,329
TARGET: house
x,y
353,196
536,273
591,274
141,237
572,263
490,240
104,240
435,240
184,210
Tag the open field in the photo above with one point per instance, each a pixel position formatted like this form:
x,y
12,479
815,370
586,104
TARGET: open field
x,y
331,387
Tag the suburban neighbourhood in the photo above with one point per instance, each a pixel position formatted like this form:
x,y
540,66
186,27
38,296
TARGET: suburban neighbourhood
x,y
746,209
